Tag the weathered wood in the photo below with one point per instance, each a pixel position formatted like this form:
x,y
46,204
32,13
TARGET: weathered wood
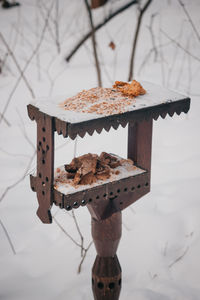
x,y
106,234
106,272
106,278
140,143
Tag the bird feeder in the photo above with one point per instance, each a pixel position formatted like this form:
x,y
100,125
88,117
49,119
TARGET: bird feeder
x,y
107,200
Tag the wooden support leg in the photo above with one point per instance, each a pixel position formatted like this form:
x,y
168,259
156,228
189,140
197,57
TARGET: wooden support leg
x,y
106,271
140,143
45,167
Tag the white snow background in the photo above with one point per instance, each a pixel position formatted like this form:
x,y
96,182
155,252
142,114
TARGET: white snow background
x,y
160,245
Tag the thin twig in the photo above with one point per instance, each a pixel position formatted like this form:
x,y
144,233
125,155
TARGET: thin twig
x,y
106,20
66,233
190,19
180,46
84,256
179,258
135,39
94,45
8,237
17,65
150,27
5,120
19,180
56,22
28,62
79,232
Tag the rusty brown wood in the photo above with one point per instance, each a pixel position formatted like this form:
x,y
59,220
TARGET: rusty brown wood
x,y
106,272
140,143
42,183
106,278
45,167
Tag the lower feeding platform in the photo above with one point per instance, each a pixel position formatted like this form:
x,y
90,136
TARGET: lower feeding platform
x,y
105,198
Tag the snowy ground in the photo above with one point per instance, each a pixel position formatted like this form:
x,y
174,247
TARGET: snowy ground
x,y
160,244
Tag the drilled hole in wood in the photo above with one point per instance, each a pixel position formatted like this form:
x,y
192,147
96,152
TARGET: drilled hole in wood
x,y
40,175
90,200
139,186
43,129
121,203
132,189
146,184
125,189
43,152
111,193
43,161
118,190
83,201
97,197
68,207
100,285
120,281
75,204
47,147
43,139
105,195
40,143
111,285
47,179
43,193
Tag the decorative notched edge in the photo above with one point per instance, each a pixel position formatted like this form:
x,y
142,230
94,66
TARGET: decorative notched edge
x,y
145,113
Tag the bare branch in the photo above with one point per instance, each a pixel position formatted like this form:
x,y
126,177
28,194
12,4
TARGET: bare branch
x,y
179,258
5,120
150,27
56,22
79,232
19,180
190,19
180,46
66,233
135,40
28,61
84,256
106,20
8,237
94,45
17,65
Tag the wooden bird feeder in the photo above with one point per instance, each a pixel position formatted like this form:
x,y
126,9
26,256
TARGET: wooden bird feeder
x,y
107,200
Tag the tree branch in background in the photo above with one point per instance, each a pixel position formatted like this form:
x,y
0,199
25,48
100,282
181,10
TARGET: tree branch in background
x,y
8,237
180,46
17,64
135,40
85,250
150,27
94,44
20,179
28,62
56,22
5,120
190,19
106,20
79,232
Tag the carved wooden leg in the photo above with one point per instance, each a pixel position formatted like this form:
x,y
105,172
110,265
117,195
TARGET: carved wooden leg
x,y
45,166
106,271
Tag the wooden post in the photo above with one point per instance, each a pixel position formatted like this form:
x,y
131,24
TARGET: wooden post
x,y
106,271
